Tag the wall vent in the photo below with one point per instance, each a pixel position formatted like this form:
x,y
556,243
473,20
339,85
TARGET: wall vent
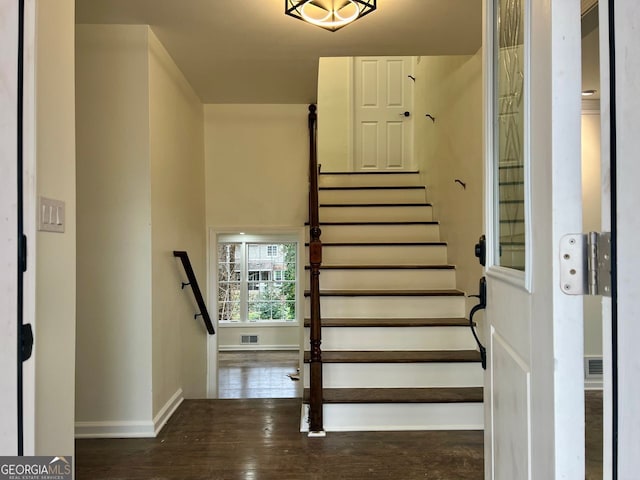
x,y
593,367
249,339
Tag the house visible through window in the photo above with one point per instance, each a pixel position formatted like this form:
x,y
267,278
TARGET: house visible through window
x,y
256,281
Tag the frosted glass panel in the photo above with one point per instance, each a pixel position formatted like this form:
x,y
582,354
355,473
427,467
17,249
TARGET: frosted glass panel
x,y
510,133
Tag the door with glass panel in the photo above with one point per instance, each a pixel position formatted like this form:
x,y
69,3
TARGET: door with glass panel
x,y
533,388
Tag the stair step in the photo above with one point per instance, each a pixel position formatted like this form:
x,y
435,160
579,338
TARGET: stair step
x,y
394,339
388,293
391,322
398,375
376,213
336,277
373,195
379,232
406,253
400,395
419,305
369,179
371,356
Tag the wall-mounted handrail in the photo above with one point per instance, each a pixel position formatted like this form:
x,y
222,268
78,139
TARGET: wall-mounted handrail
x,y
193,283
315,261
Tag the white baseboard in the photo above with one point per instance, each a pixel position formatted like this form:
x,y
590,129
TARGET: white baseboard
x,y
167,411
593,385
130,429
254,347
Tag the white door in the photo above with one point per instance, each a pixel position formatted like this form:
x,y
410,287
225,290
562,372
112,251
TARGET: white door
x,y
620,145
534,386
8,227
383,113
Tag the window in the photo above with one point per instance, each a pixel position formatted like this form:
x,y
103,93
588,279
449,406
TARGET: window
x,y
256,281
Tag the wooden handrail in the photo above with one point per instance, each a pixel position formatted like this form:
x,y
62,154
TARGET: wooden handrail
x,y
315,261
193,282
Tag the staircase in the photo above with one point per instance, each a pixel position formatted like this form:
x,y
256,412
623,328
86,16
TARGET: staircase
x,y
397,351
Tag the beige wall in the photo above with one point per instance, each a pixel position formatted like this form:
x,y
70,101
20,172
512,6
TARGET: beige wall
x,y
450,89
256,163
55,254
335,124
257,159
591,222
269,338
177,223
141,195
113,378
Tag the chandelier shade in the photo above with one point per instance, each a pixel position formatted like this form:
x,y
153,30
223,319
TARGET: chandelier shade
x,y
331,15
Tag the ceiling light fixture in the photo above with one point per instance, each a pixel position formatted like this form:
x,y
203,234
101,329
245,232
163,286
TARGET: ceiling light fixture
x,y
588,93
331,15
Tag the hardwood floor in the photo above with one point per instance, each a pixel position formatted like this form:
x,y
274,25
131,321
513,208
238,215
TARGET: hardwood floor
x,y
259,439
255,374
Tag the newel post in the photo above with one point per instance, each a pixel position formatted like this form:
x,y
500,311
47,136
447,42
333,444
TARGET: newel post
x,y
315,261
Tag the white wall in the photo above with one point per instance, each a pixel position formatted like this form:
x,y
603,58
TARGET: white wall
x,y
55,255
113,378
269,337
335,122
177,223
450,89
256,164
141,196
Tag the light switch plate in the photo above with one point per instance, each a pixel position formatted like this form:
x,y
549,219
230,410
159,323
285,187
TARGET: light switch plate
x,y
51,215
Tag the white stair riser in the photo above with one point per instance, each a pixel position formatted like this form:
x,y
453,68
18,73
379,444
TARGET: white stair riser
x,y
390,307
399,375
384,255
379,233
373,196
369,180
393,279
422,213
405,338
399,416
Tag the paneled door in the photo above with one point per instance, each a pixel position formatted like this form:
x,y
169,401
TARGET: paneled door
x,y
534,385
383,113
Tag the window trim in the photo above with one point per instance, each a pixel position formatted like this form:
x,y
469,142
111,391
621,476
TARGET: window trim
x,y
296,237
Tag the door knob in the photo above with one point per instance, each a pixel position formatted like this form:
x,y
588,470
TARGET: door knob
x,y
481,250
405,114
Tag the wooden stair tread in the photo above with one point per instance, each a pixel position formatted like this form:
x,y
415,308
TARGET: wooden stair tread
x,y
384,267
346,205
400,395
379,244
377,187
388,293
397,356
431,222
376,172
391,322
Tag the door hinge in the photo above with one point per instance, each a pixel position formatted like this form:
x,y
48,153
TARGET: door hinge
x,y
585,264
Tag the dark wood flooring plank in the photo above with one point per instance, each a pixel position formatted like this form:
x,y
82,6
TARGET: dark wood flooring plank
x,y
400,395
260,439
